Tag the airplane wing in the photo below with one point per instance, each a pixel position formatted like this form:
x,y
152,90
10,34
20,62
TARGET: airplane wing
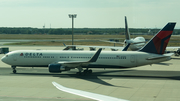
x,y
85,63
81,63
90,95
112,42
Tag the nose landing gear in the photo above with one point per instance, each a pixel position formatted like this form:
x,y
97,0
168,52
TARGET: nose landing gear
x,y
14,69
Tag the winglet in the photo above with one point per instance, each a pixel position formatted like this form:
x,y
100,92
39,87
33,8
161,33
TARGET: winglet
x,y
127,46
64,44
96,55
158,43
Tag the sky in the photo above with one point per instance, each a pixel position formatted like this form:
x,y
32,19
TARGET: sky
x,y
90,13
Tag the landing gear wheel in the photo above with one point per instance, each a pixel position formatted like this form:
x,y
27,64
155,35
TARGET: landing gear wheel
x,y
87,72
14,71
90,71
78,73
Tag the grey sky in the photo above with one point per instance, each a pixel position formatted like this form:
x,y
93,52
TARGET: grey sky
x,y
90,13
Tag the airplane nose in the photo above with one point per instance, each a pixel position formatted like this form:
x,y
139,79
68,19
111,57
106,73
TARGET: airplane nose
x,y
3,59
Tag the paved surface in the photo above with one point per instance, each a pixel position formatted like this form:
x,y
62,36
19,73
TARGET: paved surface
x,y
145,83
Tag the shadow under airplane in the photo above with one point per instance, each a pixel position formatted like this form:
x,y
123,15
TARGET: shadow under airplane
x,y
98,76
72,74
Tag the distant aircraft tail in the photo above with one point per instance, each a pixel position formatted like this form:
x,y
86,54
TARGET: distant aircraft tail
x,y
127,30
159,42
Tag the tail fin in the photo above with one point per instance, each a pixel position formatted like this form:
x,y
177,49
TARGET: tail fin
x,y
159,42
127,30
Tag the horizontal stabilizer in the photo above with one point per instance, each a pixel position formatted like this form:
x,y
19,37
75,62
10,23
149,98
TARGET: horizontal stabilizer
x,y
164,64
161,56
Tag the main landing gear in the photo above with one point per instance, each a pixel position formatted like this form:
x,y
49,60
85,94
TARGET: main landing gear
x,y
14,69
85,72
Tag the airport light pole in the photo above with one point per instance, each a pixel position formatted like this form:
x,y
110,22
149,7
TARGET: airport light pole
x,y
72,16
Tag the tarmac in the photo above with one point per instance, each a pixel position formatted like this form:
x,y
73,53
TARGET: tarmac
x,y
145,83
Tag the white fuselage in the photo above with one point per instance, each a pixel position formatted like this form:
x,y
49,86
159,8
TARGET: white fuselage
x,y
106,59
136,43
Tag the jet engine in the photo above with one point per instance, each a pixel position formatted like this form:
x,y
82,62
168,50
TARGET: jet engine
x,y
178,51
175,51
57,68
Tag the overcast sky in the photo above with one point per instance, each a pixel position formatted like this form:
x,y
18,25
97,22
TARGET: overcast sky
x,y
90,13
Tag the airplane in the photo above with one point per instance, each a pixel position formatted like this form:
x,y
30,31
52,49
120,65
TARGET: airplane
x,y
58,61
90,95
136,43
38,55
139,42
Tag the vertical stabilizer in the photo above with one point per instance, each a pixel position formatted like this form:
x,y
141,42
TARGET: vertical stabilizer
x,y
127,30
159,42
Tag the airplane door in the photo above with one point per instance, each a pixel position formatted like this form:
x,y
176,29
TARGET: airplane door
x,y
133,59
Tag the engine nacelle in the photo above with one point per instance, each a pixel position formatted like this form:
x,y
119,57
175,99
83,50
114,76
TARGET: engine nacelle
x,y
178,52
57,68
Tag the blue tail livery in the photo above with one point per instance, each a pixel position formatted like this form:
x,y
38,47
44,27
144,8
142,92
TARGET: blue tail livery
x,y
159,42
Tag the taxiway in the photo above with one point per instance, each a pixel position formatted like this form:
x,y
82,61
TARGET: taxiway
x,y
145,83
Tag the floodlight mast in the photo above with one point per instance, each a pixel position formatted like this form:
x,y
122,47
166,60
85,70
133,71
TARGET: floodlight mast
x,y
72,16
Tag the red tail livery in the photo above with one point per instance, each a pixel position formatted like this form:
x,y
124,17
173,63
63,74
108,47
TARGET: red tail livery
x,y
159,42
